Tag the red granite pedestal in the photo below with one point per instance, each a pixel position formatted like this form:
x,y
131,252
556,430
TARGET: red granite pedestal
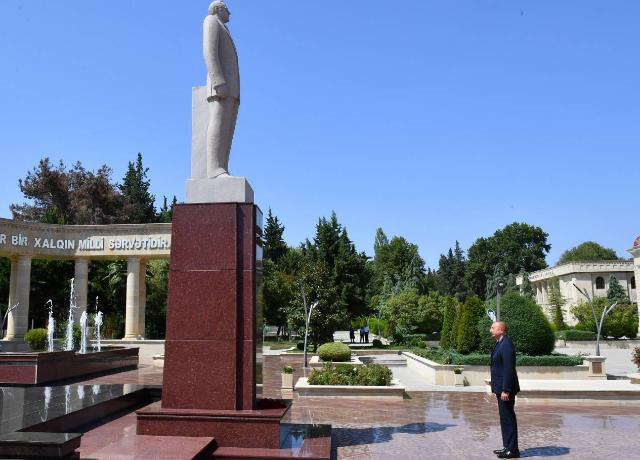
x,y
212,333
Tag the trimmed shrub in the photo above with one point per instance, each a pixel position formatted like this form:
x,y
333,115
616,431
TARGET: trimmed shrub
x,y
377,343
300,346
36,339
447,356
466,327
344,374
528,326
334,352
447,335
574,334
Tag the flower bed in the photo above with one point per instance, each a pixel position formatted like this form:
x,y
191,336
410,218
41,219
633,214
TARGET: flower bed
x,y
344,374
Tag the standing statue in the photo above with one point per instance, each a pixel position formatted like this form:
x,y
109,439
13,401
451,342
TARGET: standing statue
x,y
223,88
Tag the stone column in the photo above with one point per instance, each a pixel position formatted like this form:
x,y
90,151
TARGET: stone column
x,y
12,292
538,293
545,293
133,299
81,280
636,271
142,299
19,287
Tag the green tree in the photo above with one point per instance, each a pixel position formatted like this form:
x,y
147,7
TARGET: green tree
x,y
333,249
274,246
165,215
447,335
279,293
315,281
498,277
135,189
621,322
396,266
75,196
557,302
526,289
403,314
431,307
587,252
516,247
466,329
451,269
616,293
156,308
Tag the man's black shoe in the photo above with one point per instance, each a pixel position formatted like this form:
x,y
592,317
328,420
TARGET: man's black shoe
x,y
509,454
500,451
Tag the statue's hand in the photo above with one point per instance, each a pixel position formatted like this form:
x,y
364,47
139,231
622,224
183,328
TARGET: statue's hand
x,y
222,91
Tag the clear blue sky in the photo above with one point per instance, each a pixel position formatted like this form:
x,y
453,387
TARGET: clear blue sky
x,y
434,120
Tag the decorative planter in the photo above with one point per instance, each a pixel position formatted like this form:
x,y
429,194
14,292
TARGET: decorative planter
x,y
395,391
459,380
316,363
287,380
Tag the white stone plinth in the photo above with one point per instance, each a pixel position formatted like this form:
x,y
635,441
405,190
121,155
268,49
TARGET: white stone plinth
x,y
226,189
596,367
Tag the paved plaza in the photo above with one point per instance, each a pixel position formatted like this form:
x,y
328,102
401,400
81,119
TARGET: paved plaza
x,y
431,425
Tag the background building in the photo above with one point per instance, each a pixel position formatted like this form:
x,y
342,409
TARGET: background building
x,y
590,276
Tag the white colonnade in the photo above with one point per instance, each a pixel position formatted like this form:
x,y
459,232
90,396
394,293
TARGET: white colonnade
x,y
20,285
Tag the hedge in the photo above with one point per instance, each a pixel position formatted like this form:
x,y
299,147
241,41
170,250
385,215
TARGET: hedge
x,y
334,351
344,374
448,356
574,334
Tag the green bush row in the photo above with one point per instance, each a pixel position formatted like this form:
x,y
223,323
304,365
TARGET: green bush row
x,y
574,334
345,374
448,356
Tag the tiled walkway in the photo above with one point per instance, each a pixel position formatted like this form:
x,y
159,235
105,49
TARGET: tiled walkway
x,y
436,425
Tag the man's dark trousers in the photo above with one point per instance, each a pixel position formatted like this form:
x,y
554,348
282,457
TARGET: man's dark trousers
x,y
508,423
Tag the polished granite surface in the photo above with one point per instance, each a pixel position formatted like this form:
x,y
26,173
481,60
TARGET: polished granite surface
x,y
24,407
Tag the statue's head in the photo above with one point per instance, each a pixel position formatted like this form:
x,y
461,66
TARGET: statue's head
x,y
220,9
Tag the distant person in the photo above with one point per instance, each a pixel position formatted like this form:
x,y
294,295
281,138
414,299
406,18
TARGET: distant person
x,y
352,335
505,385
362,334
366,334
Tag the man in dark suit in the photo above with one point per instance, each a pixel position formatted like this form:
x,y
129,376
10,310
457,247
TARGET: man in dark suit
x,y
505,385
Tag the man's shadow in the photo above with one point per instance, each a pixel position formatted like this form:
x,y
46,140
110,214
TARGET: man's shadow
x,y
545,451
343,437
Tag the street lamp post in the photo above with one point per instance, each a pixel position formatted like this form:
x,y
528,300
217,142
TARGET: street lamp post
x,y
307,320
499,291
605,312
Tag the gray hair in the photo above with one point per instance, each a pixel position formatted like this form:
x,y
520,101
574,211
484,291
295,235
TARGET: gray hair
x,y
215,6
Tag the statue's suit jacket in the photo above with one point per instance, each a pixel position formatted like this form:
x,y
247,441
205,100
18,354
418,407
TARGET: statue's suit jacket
x,y
503,367
221,58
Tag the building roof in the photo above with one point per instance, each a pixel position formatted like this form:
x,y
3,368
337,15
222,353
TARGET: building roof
x,y
604,266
